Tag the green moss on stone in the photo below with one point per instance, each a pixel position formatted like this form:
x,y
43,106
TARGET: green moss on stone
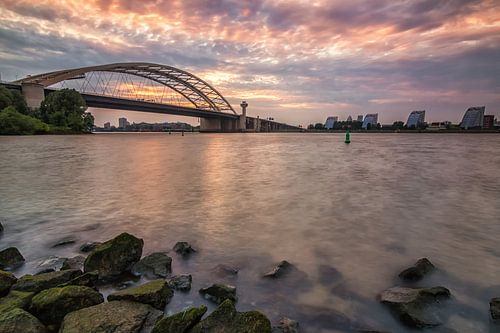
x,y
7,279
16,299
156,293
115,256
40,282
225,319
18,320
51,305
180,322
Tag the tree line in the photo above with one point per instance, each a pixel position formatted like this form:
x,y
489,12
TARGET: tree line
x,y
61,112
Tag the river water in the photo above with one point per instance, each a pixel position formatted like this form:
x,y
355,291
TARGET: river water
x,y
349,217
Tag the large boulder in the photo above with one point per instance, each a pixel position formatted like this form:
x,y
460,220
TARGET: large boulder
x,y
37,283
415,307
51,305
114,257
17,320
155,265
7,280
180,282
16,299
10,258
218,293
495,308
225,319
417,271
112,317
180,322
156,293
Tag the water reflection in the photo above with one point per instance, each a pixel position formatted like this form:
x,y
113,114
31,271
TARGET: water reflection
x,y
350,217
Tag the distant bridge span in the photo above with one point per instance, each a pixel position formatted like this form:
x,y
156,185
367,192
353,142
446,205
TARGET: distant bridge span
x,y
147,87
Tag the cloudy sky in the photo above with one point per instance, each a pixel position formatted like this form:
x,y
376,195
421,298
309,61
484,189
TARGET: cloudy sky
x,y
298,61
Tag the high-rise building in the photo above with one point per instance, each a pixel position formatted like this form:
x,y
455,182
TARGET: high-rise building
x,y
349,119
488,121
416,118
473,117
330,121
371,119
122,122
360,118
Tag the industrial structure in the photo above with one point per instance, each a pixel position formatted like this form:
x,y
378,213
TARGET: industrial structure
x,y
148,87
416,119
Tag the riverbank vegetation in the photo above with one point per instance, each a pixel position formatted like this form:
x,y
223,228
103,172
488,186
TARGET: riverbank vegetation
x,y
61,112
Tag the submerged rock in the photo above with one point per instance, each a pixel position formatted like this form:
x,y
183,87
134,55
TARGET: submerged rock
x,y
65,241
89,246
224,271
73,263
17,320
225,319
417,271
50,264
7,280
218,293
180,322
156,293
153,266
286,325
495,308
279,270
180,282
16,299
413,305
112,317
1,228
183,248
114,257
40,282
10,258
51,305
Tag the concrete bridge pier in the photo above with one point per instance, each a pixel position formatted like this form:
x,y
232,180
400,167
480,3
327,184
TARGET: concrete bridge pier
x,y
33,93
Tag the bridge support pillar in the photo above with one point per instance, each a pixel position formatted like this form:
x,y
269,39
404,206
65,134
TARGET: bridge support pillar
x,y
210,125
33,93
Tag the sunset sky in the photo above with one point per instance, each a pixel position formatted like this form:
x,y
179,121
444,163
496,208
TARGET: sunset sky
x,y
297,61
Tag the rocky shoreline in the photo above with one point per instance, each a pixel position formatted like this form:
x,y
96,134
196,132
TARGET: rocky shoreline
x,y
67,299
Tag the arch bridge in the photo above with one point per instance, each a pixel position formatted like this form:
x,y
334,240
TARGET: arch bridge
x,y
147,87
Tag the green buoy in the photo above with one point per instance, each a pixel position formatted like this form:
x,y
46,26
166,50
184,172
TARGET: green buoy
x,y
347,137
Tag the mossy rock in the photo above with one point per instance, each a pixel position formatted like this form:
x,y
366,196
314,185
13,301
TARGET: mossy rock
x,y
114,257
37,283
180,322
225,319
111,317
156,293
19,321
16,299
10,258
7,280
51,305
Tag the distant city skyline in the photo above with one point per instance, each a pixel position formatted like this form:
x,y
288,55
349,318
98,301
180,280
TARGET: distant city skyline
x,y
292,61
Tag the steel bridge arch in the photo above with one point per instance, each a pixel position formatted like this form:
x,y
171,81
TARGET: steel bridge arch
x,y
201,94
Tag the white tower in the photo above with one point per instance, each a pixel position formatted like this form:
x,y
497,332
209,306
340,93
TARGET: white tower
x,y
243,116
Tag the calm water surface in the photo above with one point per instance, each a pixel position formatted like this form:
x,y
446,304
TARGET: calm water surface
x,y
350,217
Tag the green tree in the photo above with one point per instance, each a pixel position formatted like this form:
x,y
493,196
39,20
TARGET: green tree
x,y
19,102
15,123
319,126
66,108
88,122
5,97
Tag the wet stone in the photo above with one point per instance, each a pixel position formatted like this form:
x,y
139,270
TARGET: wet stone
x,y
279,270
495,308
180,282
73,263
219,292
286,325
64,241
418,271
184,248
156,293
7,280
10,258
37,283
155,265
180,322
224,271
